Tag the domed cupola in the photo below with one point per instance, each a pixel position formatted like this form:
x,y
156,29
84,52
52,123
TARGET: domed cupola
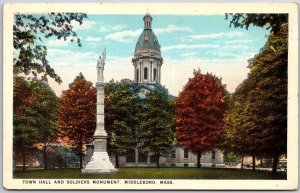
x,y
147,58
147,41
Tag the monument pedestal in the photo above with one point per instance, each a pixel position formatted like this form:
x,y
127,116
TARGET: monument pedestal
x,y
99,164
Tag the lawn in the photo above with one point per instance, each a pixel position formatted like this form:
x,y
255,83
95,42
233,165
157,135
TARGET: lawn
x,y
150,173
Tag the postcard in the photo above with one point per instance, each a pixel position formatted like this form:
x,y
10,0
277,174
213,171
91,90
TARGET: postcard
x,y
150,96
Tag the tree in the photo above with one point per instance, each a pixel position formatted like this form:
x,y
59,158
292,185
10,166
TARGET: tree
x,y
267,102
265,113
77,118
157,121
120,117
236,136
29,32
24,133
269,21
35,115
45,110
199,112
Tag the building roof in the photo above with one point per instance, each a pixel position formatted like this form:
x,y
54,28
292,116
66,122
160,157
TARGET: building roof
x,y
147,40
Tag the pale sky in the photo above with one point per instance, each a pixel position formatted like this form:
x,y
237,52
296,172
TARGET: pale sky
x,y
187,42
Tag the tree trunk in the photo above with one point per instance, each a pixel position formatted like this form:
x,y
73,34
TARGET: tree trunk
x,y
80,154
198,160
157,160
261,162
24,161
253,162
274,164
242,162
117,160
45,157
80,160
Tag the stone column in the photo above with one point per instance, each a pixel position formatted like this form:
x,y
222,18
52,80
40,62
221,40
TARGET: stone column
x,y
151,71
159,73
141,71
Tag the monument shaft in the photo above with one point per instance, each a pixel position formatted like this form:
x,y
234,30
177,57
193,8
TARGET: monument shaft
x,y
100,162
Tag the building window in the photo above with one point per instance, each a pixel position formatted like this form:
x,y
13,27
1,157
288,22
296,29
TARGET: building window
x,y
213,154
151,72
137,75
173,154
154,74
145,73
140,73
186,153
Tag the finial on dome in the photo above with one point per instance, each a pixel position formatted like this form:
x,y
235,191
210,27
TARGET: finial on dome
x,y
147,21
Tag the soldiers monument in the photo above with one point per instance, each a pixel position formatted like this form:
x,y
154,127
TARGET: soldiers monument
x,y
100,162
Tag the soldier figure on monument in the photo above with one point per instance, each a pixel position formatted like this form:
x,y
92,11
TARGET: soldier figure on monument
x,y
100,66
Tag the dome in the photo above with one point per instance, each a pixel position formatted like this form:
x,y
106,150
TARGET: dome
x,y
147,41
147,60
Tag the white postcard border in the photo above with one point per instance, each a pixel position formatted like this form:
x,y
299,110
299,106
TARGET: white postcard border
x,y
155,8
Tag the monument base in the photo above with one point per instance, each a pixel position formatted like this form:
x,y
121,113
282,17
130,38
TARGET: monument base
x,y
99,164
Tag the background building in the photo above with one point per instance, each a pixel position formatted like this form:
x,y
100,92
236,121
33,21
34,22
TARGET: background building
x,y
147,62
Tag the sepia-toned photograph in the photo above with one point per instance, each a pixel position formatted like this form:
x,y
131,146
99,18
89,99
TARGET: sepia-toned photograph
x,y
150,96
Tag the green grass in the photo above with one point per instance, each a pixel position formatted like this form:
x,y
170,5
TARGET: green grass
x,y
150,173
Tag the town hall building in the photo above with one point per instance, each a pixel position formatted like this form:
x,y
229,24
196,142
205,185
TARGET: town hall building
x,y
147,62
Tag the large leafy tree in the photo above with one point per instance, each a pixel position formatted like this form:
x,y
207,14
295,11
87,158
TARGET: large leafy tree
x,y
24,133
265,113
199,111
35,115
266,109
157,122
77,118
121,108
29,34
45,110
236,138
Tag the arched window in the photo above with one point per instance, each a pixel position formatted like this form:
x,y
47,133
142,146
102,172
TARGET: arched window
x,y
137,75
140,73
145,73
154,74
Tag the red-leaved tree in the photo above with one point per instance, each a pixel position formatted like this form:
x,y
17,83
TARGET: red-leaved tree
x,y
77,120
199,112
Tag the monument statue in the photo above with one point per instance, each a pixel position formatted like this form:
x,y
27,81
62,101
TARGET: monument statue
x,y
100,66
100,162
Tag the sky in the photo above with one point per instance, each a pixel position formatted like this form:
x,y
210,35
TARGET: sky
x,y
187,42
